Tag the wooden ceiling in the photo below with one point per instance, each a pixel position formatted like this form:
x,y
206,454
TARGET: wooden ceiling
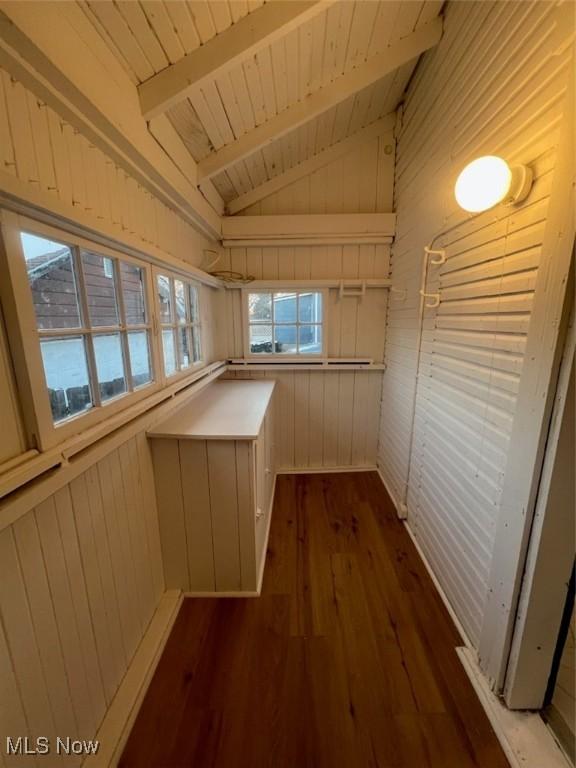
x,y
291,68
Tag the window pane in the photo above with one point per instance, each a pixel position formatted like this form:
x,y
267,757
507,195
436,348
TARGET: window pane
x,y
310,339
139,358
183,347
194,312
180,301
169,351
259,306
285,339
109,365
66,376
132,279
100,289
196,352
310,308
165,298
52,280
260,339
284,307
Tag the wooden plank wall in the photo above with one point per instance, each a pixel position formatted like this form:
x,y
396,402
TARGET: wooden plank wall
x,y
80,575
80,578
42,150
327,419
494,85
47,154
359,182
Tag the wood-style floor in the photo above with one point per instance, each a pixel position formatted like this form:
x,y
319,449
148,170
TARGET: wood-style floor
x,y
346,660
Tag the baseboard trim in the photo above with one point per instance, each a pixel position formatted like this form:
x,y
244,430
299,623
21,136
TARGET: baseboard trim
x,y
119,719
524,737
443,596
401,510
326,470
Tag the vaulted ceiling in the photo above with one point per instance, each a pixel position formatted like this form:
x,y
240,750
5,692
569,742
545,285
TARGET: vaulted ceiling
x,y
254,89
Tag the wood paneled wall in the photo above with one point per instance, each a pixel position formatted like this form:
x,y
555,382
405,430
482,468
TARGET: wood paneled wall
x,y
495,84
360,182
325,419
80,578
44,152
81,574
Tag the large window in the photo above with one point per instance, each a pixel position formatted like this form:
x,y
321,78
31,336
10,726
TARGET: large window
x,y
93,324
89,326
286,323
180,323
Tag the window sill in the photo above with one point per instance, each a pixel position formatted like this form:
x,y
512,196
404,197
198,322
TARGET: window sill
x,y
14,475
314,364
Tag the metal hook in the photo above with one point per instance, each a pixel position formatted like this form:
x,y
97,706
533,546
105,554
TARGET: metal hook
x,y
435,299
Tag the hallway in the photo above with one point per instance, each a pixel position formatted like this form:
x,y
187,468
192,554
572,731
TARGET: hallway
x,y
347,658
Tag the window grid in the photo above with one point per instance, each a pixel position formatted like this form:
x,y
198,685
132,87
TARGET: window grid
x,y
88,331
297,323
189,323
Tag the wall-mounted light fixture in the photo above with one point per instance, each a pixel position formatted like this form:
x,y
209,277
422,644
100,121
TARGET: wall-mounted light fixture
x,y
489,180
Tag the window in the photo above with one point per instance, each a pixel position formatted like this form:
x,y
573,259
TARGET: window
x,y
86,330
92,322
180,323
284,323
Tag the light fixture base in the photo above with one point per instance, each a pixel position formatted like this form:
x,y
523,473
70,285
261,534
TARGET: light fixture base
x,y
520,184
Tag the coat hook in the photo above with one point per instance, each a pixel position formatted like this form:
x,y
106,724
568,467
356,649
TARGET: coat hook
x,y
440,252
435,299
403,292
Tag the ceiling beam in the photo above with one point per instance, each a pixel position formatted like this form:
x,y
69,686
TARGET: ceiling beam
x,y
397,54
240,41
374,130
287,230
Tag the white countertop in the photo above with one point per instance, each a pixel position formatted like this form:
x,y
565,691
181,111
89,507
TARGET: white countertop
x,y
225,410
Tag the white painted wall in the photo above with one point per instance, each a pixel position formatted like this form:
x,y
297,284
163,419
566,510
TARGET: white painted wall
x,y
80,572
495,84
80,578
327,419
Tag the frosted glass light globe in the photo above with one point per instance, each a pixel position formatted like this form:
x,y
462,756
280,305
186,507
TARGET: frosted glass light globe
x,y
483,183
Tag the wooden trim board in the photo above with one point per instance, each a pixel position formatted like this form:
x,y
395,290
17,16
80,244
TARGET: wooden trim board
x,y
401,509
326,470
311,225
526,740
115,728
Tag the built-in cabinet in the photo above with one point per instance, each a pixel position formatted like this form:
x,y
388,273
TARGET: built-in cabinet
x,y
214,466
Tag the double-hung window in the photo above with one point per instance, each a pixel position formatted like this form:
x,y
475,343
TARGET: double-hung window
x,y
179,322
284,323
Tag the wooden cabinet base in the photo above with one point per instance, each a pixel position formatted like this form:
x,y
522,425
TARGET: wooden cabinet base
x,y
215,492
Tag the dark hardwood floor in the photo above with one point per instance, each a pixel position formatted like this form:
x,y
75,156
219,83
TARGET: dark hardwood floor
x,y
346,660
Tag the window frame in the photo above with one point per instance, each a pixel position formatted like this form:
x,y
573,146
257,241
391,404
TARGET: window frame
x,y
281,356
44,432
190,323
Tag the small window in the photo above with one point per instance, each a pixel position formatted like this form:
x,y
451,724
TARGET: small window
x,y
92,322
285,323
180,321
